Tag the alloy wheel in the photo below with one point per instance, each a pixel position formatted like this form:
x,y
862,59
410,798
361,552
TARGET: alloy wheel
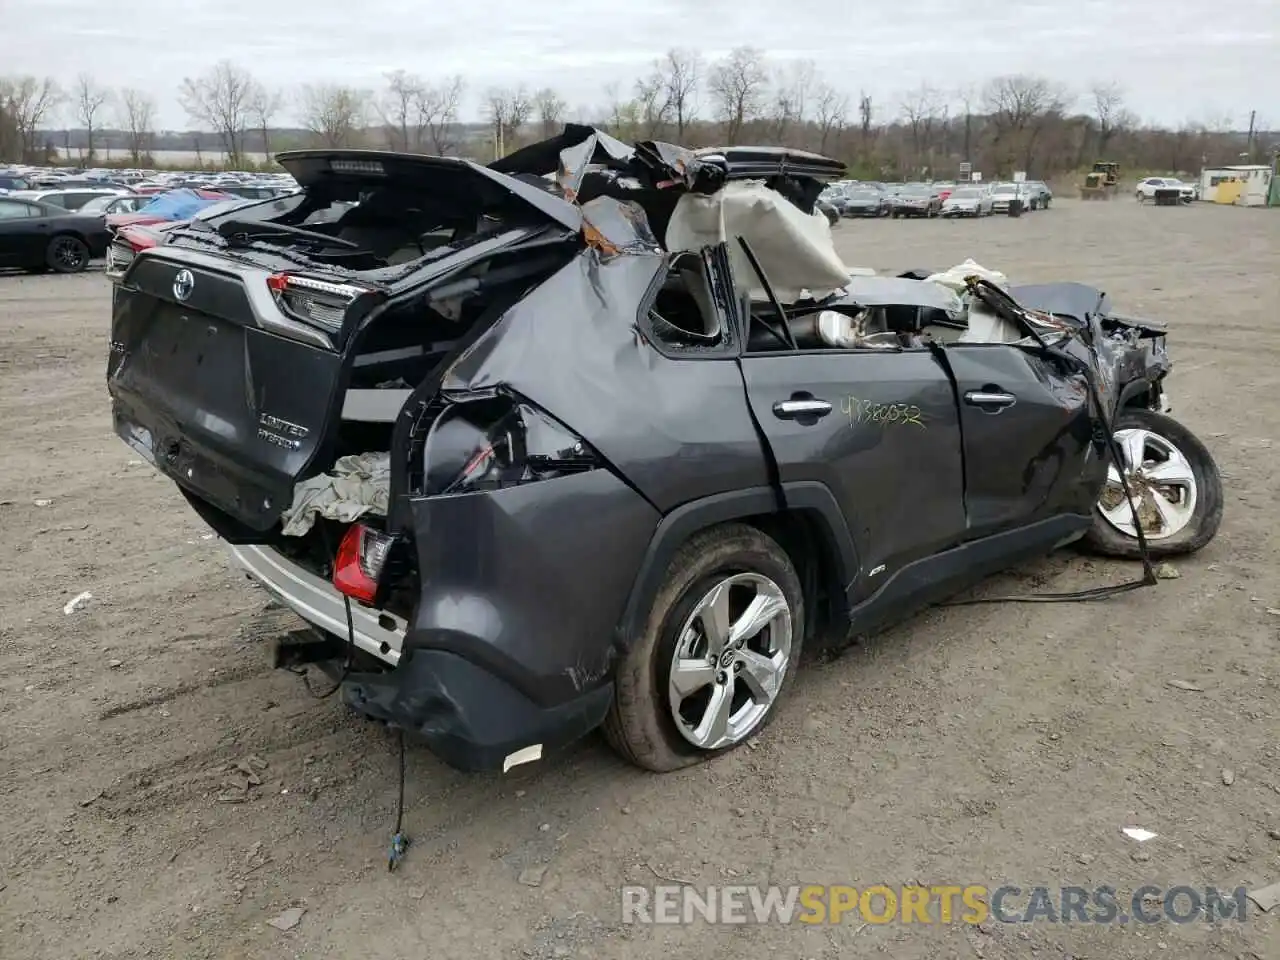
x,y
1161,480
730,660
69,253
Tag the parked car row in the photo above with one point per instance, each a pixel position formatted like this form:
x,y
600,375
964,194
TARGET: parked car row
x,y
855,198
56,219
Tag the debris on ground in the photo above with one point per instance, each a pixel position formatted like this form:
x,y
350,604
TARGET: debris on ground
x,y
1228,777
87,801
532,876
1266,898
76,602
1186,685
115,664
1167,571
1137,833
42,503
244,774
287,920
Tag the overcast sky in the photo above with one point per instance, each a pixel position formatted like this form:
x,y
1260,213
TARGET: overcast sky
x,y
1176,60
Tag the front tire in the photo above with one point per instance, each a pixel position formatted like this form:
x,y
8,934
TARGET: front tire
x,y
716,654
1176,482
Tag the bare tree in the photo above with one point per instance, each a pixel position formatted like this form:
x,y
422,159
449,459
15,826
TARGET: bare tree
x,y
334,113
137,117
831,108
792,90
866,114
26,102
550,107
436,112
968,96
220,100
398,108
738,85
624,115
653,107
1109,112
89,99
681,71
922,108
508,111
1018,107
264,104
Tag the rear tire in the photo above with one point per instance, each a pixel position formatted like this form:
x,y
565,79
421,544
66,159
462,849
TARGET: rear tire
x,y
642,724
67,254
1199,523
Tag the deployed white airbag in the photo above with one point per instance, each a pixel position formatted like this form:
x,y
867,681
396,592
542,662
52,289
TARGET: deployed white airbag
x,y
357,485
795,249
984,326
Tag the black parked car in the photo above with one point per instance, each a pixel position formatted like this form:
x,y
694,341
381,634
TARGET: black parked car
x,y
862,201
530,469
40,236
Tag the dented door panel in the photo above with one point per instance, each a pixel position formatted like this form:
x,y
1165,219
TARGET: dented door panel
x,y
1032,457
888,449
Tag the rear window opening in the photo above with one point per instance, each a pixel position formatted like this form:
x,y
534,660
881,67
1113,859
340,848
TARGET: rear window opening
x,y
364,223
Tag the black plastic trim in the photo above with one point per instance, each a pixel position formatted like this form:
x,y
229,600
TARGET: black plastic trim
x,y
689,518
468,716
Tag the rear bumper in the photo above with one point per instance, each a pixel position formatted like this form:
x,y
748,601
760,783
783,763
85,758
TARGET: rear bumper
x,y
316,601
468,716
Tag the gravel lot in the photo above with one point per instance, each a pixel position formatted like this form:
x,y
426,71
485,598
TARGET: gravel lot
x,y
971,745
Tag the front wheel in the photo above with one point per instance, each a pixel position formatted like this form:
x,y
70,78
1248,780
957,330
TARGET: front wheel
x,y
716,653
1173,478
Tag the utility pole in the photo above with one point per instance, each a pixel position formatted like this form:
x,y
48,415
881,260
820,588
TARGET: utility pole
x,y
1253,116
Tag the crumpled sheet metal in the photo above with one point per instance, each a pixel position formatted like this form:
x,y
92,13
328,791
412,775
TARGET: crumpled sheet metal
x,y
639,409
615,227
357,485
795,249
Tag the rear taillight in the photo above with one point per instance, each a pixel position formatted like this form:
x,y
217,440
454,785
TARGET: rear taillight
x,y
321,303
362,557
494,442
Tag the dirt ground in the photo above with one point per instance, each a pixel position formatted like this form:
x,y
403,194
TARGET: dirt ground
x,y
976,745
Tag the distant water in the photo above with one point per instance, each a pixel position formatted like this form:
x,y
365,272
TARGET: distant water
x,y
171,158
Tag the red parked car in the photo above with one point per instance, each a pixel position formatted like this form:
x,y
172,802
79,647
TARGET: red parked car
x,y
173,205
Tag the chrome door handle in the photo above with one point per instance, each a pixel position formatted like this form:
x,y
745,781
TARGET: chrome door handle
x,y
990,398
794,409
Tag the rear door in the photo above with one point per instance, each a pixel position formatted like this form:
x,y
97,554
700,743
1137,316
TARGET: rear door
x,y
879,429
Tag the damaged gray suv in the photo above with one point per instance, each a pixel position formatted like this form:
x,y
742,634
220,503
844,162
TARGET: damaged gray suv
x,y
603,435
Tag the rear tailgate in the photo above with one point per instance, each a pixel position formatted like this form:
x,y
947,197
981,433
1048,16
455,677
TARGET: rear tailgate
x,y
233,398
209,392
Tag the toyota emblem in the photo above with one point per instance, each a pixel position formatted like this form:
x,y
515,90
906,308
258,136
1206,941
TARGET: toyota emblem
x,y
183,284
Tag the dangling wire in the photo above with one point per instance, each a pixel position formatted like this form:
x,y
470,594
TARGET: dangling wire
x,y
349,664
399,842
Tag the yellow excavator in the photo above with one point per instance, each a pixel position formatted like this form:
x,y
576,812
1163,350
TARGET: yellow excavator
x,y
1102,183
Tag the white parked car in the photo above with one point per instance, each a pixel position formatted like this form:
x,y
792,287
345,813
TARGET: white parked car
x,y
1003,193
69,199
968,202
1147,188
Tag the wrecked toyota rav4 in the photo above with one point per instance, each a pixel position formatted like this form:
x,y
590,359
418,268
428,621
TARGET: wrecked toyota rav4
x,y
603,435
